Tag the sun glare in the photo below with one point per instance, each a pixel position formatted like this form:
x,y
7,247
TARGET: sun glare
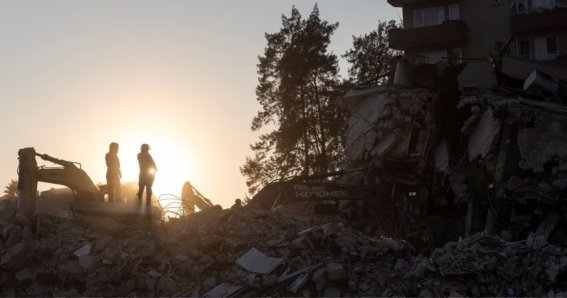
x,y
173,167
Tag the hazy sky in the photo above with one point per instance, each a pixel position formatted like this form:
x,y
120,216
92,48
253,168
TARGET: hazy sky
x,y
179,75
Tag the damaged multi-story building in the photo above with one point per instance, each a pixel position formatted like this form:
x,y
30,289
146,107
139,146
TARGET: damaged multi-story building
x,y
497,161
523,34
471,134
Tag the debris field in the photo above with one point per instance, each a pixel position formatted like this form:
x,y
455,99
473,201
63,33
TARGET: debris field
x,y
254,252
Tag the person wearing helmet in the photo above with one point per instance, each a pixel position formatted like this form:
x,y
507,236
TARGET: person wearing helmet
x,y
113,174
147,174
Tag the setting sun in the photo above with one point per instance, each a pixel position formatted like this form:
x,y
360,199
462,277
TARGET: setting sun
x,y
173,166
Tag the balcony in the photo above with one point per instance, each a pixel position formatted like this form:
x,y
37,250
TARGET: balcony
x,y
539,22
448,34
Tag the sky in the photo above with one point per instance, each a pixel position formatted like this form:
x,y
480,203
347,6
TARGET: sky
x,y
178,75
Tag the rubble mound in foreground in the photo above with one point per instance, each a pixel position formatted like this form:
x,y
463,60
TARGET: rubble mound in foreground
x,y
251,252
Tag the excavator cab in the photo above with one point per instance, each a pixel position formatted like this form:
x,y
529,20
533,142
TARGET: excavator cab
x,y
89,198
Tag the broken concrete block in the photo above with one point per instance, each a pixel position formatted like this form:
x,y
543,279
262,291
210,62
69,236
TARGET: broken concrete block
x,y
335,272
84,250
299,282
482,138
257,262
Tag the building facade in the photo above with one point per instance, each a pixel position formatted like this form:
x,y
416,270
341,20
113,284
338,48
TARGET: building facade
x,y
471,30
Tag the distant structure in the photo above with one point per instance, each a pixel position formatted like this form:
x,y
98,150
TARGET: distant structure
x,y
469,30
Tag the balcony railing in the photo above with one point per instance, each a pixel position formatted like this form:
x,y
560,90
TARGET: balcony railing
x,y
539,22
440,36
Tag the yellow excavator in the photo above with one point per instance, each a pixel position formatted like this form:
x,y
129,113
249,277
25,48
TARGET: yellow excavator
x,y
89,198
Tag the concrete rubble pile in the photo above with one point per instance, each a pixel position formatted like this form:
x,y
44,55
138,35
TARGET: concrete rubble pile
x,y
517,147
478,159
251,252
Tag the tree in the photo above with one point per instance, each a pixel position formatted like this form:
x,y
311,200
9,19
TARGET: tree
x,y
371,55
11,190
298,90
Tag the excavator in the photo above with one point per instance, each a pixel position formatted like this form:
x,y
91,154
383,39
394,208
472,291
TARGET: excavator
x,y
314,188
89,198
190,201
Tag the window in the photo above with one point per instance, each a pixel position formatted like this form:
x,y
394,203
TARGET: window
x,y
454,12
541,5
428,16
545,48
551,45
524,48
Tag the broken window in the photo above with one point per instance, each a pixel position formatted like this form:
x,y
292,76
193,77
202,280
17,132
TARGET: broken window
x,y
524,48
428,16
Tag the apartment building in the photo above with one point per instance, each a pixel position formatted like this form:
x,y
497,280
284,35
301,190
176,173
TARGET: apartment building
x,y
540,28
469,30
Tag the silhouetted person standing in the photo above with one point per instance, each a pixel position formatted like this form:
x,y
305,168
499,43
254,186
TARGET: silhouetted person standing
x,y
147,174
237,204
113,174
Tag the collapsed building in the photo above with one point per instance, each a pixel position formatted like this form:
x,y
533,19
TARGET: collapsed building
x,y
448,163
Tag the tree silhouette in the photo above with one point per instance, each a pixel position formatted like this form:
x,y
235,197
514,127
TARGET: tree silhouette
x,y
370,56
11,190
298,90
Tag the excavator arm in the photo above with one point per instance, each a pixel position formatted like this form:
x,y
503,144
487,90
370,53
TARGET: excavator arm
x,y
191,197
69,174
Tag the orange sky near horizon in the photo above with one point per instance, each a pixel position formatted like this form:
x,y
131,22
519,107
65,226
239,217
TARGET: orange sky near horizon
x,y
178,75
